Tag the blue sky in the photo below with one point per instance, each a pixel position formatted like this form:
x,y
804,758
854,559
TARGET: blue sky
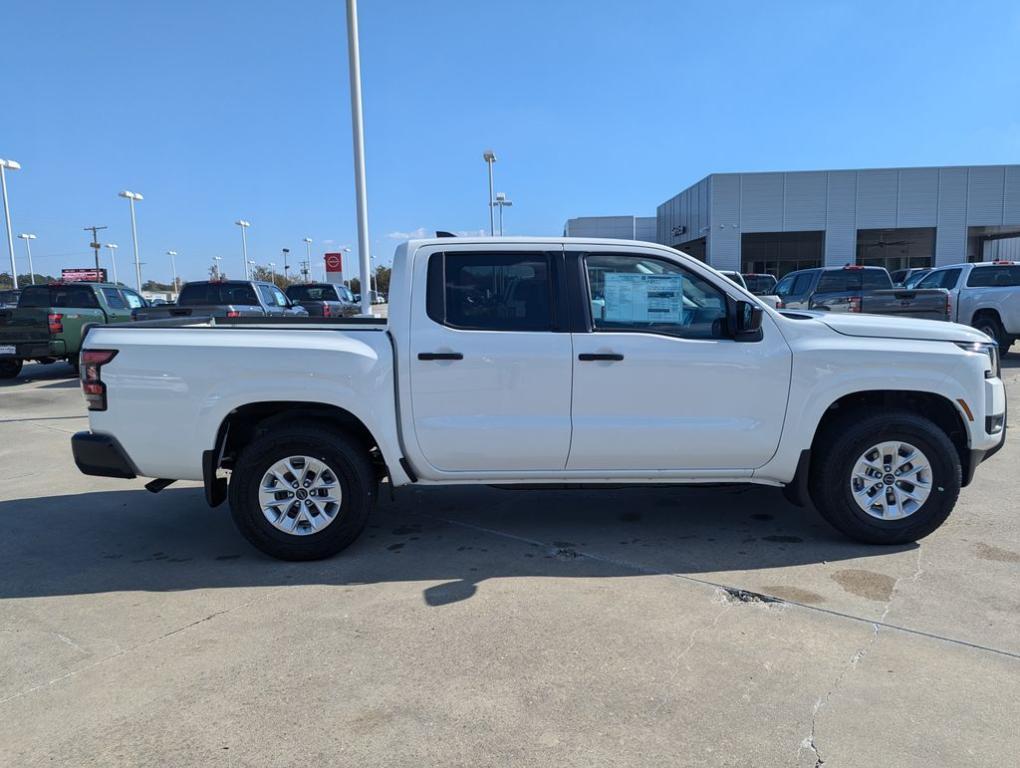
x,y
223,109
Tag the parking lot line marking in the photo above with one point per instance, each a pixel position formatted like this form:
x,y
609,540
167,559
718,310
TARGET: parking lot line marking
x,y
717,585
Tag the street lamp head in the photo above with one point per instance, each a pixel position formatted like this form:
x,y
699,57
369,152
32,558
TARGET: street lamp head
x,y
26,236
346,250
112,246
308,240
242,223
171,253
489,156
13,165
130,195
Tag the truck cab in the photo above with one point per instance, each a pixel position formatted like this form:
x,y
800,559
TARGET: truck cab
x,y
984,295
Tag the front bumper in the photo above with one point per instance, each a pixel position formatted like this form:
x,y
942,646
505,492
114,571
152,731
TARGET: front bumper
x,y
101,455
977,455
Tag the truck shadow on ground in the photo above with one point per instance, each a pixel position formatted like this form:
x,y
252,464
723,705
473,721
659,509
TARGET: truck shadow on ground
x,y
458,537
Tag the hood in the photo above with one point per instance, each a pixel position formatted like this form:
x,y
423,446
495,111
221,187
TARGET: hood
x,y
882,327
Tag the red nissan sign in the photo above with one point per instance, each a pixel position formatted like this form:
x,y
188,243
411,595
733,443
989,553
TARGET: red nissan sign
x,y
334,262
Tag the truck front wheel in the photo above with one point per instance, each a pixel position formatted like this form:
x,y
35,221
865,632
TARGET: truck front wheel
x,y
302,493
890,478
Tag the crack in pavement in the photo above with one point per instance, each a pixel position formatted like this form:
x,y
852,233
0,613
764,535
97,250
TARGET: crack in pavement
x,y
733,590
139,646
810,742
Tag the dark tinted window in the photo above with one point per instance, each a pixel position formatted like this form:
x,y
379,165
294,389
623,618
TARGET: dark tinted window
x,y
795,284
876,280
80,296
311,293
491,291
994,277
195,294
940,278
760,284
114,299
840,281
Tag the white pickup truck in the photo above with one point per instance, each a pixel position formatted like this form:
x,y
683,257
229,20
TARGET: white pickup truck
x,y
984,294
562,361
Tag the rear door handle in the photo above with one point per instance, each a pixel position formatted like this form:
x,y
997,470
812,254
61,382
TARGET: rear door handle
x,y
586,357
440,356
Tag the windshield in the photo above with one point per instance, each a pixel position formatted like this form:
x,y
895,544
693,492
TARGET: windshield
x,y
762,285
913,280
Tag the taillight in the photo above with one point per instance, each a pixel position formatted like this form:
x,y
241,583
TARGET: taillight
x,y
326,311
855,303
92,360
233,313
56,322
780,304
949,306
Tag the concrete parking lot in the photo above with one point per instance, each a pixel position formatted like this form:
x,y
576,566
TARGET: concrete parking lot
x,y
474,626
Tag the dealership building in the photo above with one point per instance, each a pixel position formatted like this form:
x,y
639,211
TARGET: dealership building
x,y
890,217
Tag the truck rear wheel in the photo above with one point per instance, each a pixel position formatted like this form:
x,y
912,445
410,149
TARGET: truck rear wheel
x,y
989,324
890,478
9,369
302,493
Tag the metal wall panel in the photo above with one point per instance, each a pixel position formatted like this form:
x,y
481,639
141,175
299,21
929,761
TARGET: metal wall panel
x,y
841,218
918,197
1011,205
984,195
761,202
804,204
876,198
724,236
951,235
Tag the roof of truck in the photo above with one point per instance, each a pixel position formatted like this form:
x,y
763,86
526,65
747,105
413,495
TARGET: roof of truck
x,y
509,239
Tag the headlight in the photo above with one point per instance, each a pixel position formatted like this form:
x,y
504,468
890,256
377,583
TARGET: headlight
x,y
985,348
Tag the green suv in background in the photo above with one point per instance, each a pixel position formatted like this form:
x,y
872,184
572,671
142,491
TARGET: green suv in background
x,y
48,321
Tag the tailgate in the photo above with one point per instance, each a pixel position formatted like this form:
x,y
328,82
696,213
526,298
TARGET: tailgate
x,y
26,324
927,303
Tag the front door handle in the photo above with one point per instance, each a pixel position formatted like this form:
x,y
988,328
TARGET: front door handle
x,y
440,356
586,357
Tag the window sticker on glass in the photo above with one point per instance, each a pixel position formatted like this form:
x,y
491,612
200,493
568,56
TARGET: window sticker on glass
x,y
641,298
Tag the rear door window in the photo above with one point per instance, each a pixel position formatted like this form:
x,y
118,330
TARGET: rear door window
x,y
876,280
940,278
114,299
491,291
1006,276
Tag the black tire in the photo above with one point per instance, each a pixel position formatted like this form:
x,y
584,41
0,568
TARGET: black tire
x,y
990,325
846,441
74,363
9,369
346,458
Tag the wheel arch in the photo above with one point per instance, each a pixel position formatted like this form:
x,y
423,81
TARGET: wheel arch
x,y
937,408
248,421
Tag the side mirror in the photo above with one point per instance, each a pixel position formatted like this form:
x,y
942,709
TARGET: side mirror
x,y
746,321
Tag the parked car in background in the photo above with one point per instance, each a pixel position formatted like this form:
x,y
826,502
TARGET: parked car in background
x,y
900,277
861,289
773,301
48,322
9,299
226,298
985,295
324,299
759,283
547,360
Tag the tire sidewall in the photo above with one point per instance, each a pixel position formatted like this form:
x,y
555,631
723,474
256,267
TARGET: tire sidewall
x,y
340,456
9,369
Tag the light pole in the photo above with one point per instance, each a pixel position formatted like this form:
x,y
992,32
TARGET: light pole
x,y
244,245
286,266
132,196
502,202
272,269
345,251
308,258
4,166
173,268
113,260
489,157
28,238
250,269
216,266
360,186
